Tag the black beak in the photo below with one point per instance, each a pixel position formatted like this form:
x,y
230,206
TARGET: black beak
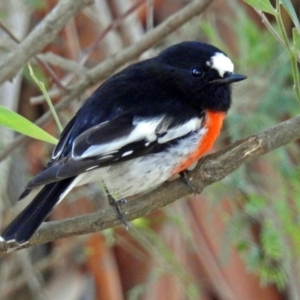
x,y
230,78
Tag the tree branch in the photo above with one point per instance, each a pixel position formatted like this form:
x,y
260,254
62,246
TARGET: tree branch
x,y
39,37
210,169
110,65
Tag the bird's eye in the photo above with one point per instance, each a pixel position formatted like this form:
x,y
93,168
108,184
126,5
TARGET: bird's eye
x,y
196,72
226,74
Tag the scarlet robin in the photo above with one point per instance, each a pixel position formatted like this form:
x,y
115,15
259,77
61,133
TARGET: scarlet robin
x,y
143,125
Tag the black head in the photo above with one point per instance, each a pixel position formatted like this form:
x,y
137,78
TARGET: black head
x,y
204,71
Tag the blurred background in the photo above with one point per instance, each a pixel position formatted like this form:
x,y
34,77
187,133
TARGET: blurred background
x,y
237,240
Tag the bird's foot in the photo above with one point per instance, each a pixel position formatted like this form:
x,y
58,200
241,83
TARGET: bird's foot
x,y
187,181
117,205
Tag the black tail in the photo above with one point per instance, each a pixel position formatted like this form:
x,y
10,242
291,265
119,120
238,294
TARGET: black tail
x,y
27,222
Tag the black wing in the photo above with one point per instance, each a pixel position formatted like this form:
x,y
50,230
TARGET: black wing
x,y
124,137
122,120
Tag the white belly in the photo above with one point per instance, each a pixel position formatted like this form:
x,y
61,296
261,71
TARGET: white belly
x,y
144,173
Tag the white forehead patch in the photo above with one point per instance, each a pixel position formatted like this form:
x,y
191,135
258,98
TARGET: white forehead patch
x,y
221,63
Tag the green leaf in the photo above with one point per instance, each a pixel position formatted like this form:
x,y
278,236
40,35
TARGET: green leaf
x,y
291,11
263,5
18,123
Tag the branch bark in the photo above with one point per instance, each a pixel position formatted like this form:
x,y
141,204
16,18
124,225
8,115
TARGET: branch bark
x,y
210,169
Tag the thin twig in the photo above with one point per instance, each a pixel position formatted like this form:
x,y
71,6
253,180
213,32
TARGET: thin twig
x,y
42,265
114,25
272,30
218,279
150,15
269,26
33,278
131,27
64,63
52,74
9,33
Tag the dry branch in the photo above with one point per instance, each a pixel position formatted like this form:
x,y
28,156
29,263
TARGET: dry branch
x,y
210,169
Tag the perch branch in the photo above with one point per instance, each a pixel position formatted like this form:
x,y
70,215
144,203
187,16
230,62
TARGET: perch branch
x,y
210,169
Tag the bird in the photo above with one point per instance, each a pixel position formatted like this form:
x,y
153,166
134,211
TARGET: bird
x,y
145,124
